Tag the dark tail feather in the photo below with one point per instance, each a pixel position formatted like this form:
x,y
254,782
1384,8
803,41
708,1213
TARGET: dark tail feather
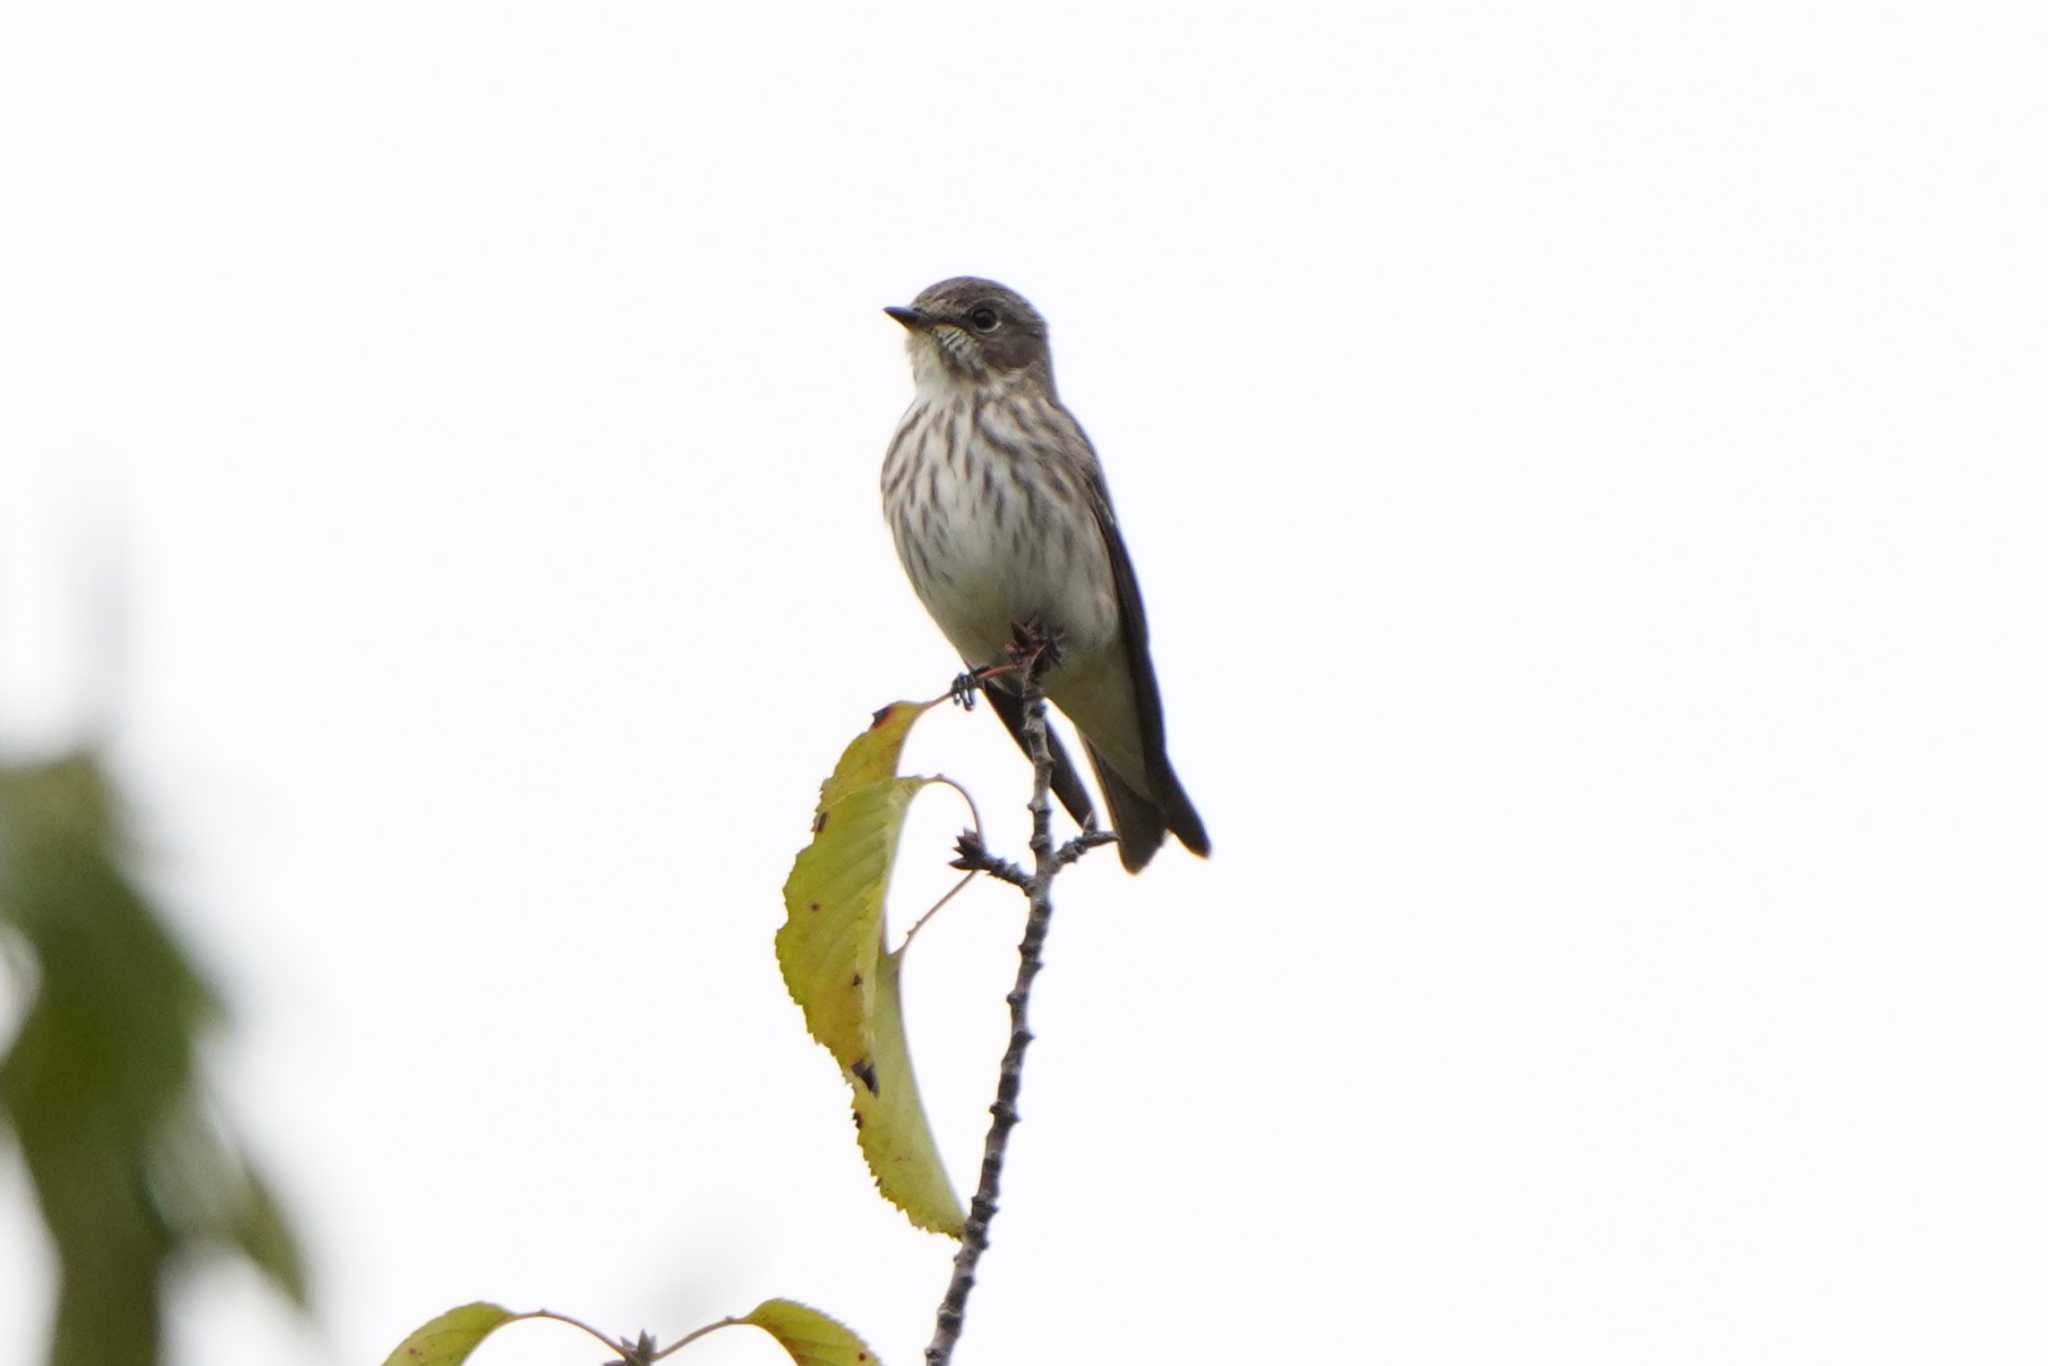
x,y
1180,813
1141,823
1140,826
1066,779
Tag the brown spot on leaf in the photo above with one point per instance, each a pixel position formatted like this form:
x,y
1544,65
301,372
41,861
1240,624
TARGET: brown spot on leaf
x,y
814,906
856,979
818,825
882,716
865,1070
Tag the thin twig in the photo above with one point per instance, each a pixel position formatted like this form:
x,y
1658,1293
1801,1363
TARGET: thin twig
x,y
1080,844
1046,861
974,856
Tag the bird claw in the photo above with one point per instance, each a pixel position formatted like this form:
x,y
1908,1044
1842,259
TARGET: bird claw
x,y
964,688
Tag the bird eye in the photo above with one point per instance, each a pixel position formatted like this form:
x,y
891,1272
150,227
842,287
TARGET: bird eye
x,y
984,318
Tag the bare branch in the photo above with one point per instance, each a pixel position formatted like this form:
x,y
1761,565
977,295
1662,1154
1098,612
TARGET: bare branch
x,y
1037,887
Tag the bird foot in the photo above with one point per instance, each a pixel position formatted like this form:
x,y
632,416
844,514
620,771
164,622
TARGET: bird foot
x,y
965,687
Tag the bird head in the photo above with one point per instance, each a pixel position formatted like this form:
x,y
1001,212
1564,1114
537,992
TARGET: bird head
x,y
970,332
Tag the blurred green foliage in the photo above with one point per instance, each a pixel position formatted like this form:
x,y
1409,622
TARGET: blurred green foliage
x,y
100,1086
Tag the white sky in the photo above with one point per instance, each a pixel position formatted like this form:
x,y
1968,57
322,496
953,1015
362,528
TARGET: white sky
x,y
1586,468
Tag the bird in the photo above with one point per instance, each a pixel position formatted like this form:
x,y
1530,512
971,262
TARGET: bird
x,y
1002,520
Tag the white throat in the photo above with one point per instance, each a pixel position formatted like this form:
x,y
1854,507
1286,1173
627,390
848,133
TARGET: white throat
x,y
936,380
939,383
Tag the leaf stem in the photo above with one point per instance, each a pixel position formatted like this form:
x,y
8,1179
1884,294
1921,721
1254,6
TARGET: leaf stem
x,y
959,886
573,1322
686,1339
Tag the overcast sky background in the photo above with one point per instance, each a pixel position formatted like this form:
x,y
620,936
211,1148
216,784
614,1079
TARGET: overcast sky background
x,y
1585,464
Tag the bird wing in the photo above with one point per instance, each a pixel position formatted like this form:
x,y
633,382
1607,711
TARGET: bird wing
x,y
1165,789
1130,610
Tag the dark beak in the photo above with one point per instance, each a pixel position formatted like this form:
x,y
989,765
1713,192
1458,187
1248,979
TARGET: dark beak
x,y
914,319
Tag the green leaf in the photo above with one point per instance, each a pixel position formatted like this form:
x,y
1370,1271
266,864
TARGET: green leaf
x,y
266,1239
449,1339
830,950
811,1338
102,1084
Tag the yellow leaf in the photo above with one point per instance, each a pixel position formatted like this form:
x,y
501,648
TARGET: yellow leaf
x,y
810,1338
895,1134
873,754
449,1339
834,896
830,951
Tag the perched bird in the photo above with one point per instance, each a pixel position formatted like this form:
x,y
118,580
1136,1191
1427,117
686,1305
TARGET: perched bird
x,y
1002,519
